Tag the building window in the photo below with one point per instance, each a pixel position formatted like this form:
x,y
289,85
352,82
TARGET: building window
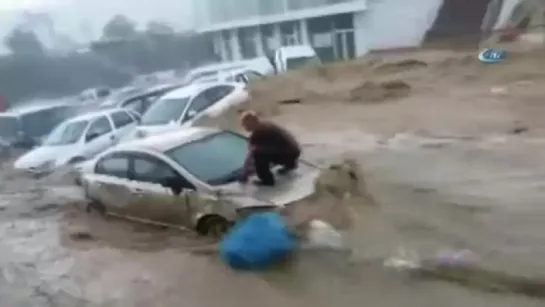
x,y
268,39
290,33
247,43
226,39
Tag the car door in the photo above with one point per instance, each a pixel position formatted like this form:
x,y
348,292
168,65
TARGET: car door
x,y
152,198
124,123
99,136
108,184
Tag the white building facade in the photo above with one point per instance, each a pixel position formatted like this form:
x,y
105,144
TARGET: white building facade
x,y
244,29
344,29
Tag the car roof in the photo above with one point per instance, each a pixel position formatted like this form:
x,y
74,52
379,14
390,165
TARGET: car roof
x,y
94,114
191,89
35,107
164,142
218,67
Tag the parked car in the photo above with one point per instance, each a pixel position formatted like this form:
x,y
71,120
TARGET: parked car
x,y
212,72
289,58
185,106
24,127
94,94
187,176
141,101
243,76
78,139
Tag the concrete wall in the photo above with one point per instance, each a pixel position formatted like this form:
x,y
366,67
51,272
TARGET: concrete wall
x,y
400,23
396,23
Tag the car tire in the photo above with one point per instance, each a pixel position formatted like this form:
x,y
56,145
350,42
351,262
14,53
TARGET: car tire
x,y
213,225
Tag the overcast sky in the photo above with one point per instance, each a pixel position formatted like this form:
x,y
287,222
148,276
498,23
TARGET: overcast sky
x,y
82,19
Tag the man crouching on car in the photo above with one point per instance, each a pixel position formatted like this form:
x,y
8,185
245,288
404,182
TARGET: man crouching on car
x,y
269,145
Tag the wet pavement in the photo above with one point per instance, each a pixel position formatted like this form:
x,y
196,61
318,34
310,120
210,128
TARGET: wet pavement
x,y
482,195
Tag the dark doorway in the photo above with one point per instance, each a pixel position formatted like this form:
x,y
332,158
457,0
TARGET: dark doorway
x,y
458,23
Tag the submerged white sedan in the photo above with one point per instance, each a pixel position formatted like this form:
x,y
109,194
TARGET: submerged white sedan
x,y
189,177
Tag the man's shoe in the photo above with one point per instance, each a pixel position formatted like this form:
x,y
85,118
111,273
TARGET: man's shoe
x,y
261,183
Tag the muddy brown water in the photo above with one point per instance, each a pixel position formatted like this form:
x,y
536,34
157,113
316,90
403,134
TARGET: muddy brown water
x,y
432,195
463,183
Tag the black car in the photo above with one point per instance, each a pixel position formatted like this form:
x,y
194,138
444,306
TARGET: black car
x,y
24,127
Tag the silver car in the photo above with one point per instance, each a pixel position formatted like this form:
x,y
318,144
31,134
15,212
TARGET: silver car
x,y
189,177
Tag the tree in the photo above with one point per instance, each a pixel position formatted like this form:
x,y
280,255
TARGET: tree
x,y
119,27
20,41
155,27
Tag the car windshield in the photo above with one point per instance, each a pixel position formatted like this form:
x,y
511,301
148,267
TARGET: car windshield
x,y
216,159
9,126
164,111
66,133
302,62
40,123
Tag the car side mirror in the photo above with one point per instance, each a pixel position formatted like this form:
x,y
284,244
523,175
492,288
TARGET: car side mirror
x,y
91,136
191,114
174,184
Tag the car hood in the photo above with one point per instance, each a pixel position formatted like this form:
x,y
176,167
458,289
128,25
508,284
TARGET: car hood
x,y
42,155
145,131
289,189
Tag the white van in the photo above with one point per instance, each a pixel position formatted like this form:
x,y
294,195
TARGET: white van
x,y
289,58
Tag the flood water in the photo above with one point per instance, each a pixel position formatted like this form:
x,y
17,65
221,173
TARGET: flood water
x,y
485,196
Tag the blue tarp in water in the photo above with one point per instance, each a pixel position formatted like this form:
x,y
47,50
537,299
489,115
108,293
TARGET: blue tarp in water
x,y
257,243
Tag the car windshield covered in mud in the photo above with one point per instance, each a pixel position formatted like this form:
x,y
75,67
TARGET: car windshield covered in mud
x,y
197,168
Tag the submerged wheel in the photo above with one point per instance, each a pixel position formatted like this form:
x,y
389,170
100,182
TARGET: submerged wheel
x,y
213,225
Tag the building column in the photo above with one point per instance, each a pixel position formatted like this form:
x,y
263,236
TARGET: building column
x,y
361,34
219,46
235,47
259,42
277,35
305,39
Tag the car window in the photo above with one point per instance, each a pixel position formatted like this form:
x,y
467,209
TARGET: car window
x,y
199,103
153,170
121,119
134,104
116,165
253,75
9,126
217,93
164,111
302,62
66,133
40,123
98,128
241,78
216,159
